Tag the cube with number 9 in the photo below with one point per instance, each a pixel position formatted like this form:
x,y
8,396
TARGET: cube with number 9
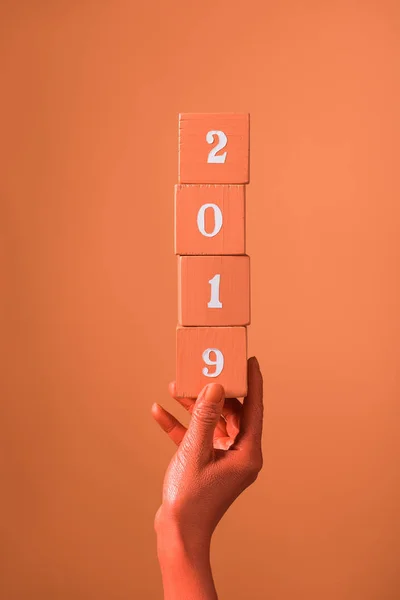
x,y
214,148
211,355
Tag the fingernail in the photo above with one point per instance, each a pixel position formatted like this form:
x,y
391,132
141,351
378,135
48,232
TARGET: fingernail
x,y
214,393
202,393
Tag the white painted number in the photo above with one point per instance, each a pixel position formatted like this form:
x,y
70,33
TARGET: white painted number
x,y
218,363
215,301
217,220
222,141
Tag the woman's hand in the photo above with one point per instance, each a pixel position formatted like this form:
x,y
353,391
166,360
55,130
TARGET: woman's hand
x,y
218,457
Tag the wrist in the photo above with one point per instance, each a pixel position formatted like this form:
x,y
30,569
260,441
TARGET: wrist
x,y
184,557
175,538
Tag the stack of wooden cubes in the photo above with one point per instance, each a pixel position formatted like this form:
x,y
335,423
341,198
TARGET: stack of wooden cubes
x,y
213,268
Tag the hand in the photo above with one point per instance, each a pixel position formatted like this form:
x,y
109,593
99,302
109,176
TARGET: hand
x,y
218,457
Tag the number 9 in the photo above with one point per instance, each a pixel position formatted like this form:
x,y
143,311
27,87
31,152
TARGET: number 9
x,y
218,362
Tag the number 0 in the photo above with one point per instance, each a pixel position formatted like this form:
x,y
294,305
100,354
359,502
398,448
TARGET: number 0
x,y
217,220
222,141
218,362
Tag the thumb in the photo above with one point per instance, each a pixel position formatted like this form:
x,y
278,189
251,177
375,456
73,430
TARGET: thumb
x,y
205,416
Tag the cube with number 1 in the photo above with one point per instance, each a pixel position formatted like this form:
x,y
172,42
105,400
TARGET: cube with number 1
x,y
214,290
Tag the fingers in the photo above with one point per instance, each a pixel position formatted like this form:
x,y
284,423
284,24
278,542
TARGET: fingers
x,y
205,416
175,430
223,443
232,412
252,416
187,403
227,426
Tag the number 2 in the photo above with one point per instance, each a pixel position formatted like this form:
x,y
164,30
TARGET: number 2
x,y
222,141
218,362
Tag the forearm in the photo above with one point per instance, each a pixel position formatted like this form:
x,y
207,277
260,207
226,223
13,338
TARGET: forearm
x,y
185,565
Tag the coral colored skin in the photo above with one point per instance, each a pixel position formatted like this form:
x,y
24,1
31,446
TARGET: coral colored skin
x,y
218,457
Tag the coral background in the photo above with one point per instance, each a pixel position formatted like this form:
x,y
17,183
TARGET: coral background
x,y
91,93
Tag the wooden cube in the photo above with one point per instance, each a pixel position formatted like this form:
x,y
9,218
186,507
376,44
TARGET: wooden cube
x,y
214,148
209,219
211,355
213,290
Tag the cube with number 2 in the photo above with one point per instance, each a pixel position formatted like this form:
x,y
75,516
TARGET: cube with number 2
x,y
214,148
211,355
209,219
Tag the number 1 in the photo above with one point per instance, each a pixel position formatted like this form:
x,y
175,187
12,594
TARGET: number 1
x,y
214,300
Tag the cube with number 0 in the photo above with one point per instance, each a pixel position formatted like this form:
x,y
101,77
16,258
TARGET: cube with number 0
x,y
209,219
214,148
211,355
213,290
